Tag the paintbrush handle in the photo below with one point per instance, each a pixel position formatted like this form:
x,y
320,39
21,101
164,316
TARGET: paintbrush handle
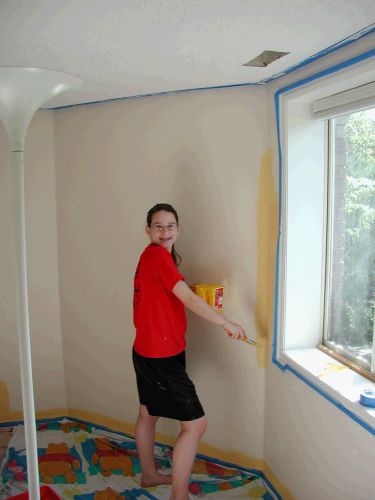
x,y
249,341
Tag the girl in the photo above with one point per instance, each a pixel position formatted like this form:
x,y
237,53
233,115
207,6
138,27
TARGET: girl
x,y
165,390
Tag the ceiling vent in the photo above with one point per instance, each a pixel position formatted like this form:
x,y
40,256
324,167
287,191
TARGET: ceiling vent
x,y
265,58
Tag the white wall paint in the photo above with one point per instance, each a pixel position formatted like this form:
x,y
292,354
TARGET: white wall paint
x,y
41,241
201,152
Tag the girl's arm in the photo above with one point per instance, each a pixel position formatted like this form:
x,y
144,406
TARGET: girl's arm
x,y
202,309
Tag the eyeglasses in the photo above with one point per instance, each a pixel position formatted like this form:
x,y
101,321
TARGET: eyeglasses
x,y
169,227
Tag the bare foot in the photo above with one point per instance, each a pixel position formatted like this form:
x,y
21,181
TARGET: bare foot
x,y
157,480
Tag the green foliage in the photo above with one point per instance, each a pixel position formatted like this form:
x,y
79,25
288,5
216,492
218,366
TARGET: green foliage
x,y
359,277
360,137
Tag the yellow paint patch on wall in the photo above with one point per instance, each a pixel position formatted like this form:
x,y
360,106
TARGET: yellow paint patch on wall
x,y
5,414
230,456
8,415
54,413
100,419
266,265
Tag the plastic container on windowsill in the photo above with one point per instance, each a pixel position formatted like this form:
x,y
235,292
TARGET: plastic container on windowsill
x,y
46,493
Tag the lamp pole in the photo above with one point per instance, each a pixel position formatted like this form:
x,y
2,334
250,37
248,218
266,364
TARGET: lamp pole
x,y
22,92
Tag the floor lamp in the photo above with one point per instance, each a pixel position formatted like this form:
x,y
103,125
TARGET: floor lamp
x,y
22,92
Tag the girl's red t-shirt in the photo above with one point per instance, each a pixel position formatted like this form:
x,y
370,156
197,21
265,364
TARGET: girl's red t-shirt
x,y
159,316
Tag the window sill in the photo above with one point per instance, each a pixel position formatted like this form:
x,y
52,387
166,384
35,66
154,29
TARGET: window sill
x,y
333,380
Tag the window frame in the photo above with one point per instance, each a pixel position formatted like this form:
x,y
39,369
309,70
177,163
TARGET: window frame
x,y
295,349
328,229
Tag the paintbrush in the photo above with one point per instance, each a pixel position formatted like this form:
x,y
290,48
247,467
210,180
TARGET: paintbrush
x,y
249,341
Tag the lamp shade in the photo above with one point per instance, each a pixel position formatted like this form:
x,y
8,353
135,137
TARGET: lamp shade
x,y
22,92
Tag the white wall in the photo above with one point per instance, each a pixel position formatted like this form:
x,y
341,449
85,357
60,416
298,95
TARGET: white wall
x,y
44,304
202,153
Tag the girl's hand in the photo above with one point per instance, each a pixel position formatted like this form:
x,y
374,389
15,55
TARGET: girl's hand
x,y
234,331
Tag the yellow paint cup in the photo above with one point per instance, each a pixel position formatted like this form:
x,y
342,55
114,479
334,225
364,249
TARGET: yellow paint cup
x,y
212,294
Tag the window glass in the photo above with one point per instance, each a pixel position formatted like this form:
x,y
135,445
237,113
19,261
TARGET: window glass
x,y
350,274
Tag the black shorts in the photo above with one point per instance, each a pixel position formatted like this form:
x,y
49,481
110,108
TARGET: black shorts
x,y
165,388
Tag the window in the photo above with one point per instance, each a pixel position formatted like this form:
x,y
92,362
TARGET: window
x,y
349,328
324,301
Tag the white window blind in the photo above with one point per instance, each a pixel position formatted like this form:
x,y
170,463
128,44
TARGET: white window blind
x,y
348,101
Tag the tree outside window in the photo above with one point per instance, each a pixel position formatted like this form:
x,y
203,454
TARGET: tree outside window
x,y
351,273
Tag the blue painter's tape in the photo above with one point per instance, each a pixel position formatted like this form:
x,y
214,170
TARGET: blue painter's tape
x,y
367,397
339,45
368,30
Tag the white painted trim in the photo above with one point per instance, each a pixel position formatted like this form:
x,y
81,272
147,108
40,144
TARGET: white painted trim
x,y
351,100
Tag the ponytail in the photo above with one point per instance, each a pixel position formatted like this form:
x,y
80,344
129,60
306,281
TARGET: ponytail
x,y
176,256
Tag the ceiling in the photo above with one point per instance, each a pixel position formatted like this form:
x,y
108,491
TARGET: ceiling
x,y
126,48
